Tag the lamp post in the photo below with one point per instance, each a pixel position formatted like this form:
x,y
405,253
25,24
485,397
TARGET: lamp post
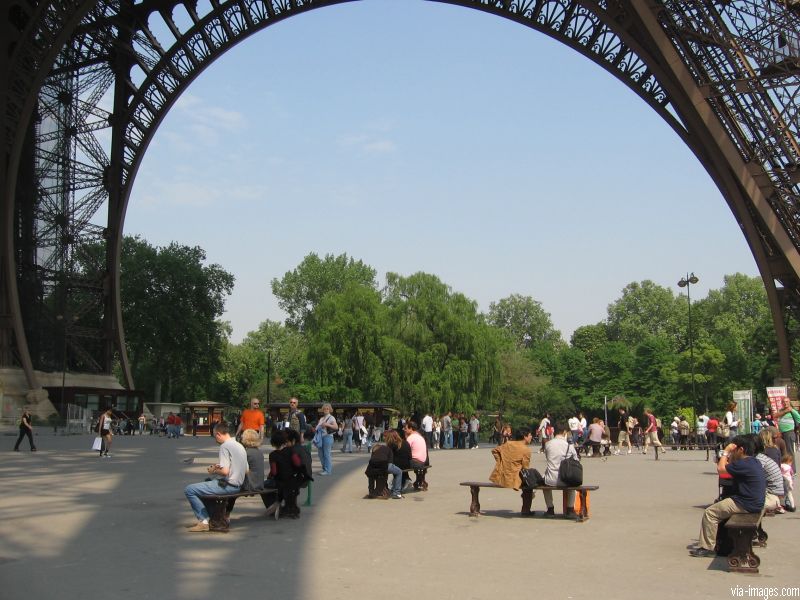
x,y
687,282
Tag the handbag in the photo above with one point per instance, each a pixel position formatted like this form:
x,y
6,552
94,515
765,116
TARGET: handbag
x,y
724,430
98,443
570,471
531,478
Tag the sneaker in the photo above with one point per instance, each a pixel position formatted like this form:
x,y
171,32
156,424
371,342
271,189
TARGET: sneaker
x,y
199,527
273,508
629,452
323,473
701,552
551,512
616,452
397,497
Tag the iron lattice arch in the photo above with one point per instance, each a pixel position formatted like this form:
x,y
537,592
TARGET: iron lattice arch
x,y
724,75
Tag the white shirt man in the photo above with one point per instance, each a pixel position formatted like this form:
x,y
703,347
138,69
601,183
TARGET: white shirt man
x,y
228,475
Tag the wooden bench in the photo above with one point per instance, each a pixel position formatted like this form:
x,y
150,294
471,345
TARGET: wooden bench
x,y
379,484
744,530
217,506
527,497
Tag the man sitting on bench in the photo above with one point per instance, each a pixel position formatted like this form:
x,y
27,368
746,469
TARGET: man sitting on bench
x,y
226,476
750,488
555,451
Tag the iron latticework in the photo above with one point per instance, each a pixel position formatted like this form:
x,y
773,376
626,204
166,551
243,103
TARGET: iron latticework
x,y
89,81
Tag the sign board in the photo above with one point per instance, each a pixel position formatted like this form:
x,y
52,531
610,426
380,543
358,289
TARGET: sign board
x,y
776,397
744,409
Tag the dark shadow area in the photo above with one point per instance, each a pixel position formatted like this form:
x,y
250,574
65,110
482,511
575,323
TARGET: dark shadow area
x,y
77,526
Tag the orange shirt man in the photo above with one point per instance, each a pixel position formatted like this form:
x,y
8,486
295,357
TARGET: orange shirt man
x,y
252,418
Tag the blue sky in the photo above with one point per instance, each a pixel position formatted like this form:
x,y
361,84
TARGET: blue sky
x,y
425,137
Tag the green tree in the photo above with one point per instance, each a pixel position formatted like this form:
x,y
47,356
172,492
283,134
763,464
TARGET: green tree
x,y
344,344
301,289
171,301
645,310
524,320
520,385
439,354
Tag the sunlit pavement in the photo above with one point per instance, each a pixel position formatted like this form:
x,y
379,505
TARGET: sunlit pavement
x,y
73,525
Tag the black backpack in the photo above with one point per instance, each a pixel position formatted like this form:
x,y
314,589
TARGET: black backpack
x,y
304,473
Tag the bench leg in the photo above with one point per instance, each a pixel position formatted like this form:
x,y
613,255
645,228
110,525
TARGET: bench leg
x,y
527,500
742,559
216,507
584,514
475,506
760,539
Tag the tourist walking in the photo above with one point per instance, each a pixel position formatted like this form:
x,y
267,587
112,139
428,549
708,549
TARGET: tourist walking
x,y
104,428
25,429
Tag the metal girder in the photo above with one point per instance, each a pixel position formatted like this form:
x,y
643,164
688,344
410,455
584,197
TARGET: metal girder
x,y
724,75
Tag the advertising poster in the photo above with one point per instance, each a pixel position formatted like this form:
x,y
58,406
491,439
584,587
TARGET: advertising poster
x,y
776,396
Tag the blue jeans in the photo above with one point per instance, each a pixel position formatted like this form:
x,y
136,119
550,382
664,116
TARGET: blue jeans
x,y
193,492
397,481
347,446
448,439
324,452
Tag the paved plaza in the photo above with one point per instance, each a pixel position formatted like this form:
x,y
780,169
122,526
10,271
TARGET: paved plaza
x,y
73,526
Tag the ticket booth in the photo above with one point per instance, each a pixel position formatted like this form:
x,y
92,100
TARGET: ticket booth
x,y
202,416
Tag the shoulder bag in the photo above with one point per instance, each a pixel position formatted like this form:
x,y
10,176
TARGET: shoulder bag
x,y
570,471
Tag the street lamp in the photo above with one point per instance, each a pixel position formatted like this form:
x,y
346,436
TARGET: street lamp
x,y
687,282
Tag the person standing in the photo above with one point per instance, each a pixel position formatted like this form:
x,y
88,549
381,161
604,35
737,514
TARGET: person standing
x,y
702,428
624,431
574,425
252,418
104,428
651,432
474,428
542,430
447,430
786,419
142,423
295,419
347,434
25,429
711,431
326,426
427,429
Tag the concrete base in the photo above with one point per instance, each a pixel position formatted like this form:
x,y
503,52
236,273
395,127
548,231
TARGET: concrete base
x,y
15,394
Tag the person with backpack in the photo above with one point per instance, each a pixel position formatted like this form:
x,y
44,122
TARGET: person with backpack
x,y
25,429
295,419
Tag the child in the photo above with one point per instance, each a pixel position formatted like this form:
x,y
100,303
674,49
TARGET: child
x,y
788,483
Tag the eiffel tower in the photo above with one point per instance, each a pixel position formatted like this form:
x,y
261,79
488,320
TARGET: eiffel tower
x,y
87,82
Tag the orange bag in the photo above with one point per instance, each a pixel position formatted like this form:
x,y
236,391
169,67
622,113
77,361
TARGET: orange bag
x,y
578,503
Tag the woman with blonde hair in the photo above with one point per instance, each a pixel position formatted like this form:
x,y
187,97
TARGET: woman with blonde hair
x,y
254,479
326,426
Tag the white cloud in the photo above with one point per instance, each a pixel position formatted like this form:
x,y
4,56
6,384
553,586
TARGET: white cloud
x,y
367,143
